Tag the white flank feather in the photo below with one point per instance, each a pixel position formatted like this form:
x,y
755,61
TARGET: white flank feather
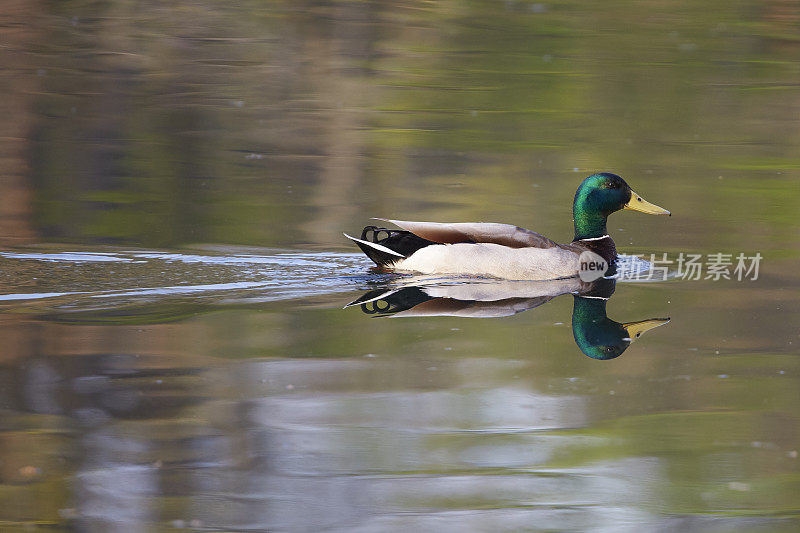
x,y
374,245
493,260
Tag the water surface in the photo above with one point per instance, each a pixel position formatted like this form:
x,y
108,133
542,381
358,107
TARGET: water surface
x,y
178,348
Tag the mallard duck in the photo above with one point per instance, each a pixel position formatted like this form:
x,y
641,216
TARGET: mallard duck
x,y
503,250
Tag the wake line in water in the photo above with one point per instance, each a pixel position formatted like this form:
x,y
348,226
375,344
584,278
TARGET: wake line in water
x,y
190,289
283,258
72,280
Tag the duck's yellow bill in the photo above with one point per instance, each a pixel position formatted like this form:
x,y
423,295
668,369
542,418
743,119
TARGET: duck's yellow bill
x,y
636,329
637,203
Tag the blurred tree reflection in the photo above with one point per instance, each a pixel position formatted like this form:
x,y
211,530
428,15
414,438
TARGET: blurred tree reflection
x,y
283,123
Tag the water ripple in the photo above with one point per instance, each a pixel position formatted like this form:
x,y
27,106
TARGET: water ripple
x,y
71,280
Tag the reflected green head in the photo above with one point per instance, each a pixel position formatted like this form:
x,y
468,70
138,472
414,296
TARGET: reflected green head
x,y
596,335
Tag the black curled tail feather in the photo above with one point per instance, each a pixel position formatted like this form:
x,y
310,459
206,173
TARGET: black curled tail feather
x,y
382,302
402,243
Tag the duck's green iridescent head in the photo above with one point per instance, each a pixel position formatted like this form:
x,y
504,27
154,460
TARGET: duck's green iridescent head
x,y
600,195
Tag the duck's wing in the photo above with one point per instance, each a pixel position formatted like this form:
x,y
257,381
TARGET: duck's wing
x,y
451,233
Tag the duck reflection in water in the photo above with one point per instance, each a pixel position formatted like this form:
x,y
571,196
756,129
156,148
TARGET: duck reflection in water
x,y
597,336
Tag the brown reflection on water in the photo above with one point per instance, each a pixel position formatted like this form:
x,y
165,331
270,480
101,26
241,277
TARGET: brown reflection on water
x,y
82,411
19,84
